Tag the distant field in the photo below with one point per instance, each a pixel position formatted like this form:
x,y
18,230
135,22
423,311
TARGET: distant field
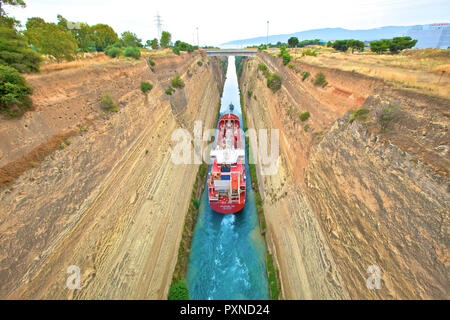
x,y
420,69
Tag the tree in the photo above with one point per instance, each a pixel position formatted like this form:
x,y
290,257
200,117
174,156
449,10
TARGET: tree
x,y
53,40
355,45
35,22
293,42
153,44
84,36
340,45
103,36
165,39
130,39
380,46
15,52
401,43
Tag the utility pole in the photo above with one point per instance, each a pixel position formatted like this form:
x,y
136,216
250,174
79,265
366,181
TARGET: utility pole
x,y
267,38
158,21
198,40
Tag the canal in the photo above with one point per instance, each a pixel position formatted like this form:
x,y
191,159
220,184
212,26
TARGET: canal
x,y
227,258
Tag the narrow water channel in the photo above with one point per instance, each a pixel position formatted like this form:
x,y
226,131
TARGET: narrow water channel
x,y
227,259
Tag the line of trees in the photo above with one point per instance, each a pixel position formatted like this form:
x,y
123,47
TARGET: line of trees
x,y
394,45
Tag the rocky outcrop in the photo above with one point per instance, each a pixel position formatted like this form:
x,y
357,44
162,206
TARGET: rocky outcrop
x,y
109,202
353,190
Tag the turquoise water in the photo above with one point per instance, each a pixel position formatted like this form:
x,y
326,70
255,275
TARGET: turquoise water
x,y
227,259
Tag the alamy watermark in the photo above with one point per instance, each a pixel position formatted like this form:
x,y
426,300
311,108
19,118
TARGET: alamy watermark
x,y
74,280
374,280
195,148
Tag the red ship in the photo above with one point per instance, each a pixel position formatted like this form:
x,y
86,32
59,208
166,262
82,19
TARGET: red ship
x,y
226,181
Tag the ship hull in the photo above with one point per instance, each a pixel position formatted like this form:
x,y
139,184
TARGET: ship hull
x,y
226,208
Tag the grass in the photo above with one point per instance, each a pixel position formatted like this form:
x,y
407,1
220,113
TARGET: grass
x,y
108,103
177,82
417,69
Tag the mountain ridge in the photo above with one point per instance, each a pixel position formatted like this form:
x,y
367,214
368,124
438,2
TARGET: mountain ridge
x,y
327,34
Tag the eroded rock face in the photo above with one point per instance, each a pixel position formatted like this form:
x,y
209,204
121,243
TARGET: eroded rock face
x,y
109,202
353,194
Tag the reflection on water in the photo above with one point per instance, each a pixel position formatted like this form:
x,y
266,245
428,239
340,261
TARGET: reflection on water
x,y
227,259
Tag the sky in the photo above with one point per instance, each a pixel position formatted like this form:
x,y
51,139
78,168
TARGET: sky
x,y
222,21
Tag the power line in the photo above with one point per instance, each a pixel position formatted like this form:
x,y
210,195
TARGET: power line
x,y
158,21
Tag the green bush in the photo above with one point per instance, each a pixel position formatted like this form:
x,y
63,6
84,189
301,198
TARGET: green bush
x,y
386,116
14,92
199,63
309,52
286,58
305,75
304,116
177,82
151,62
146,86
108,103
176,50
179,291
359,114
249,93
169,91
196,203
274,82
320,80
113,52
132,52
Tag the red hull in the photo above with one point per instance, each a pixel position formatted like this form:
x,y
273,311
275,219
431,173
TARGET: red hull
x,y
227,208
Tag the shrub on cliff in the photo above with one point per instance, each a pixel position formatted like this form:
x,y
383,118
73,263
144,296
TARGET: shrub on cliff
x,y
320,80
14,91
305,75
274,82
108,103
132,52
304,116
286,58
179,291
151,62
177,82
146,86
262,67
199,63
359,114
386,116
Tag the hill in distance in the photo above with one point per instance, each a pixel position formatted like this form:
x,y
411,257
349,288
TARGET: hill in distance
x,y
328,34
